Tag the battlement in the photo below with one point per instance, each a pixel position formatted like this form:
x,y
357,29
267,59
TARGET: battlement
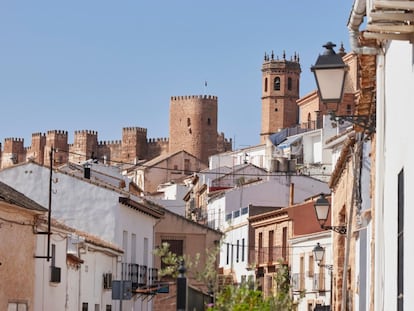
x,y
34,135
135,129
157,140
86,132
109,143
180,98
14,139
57,132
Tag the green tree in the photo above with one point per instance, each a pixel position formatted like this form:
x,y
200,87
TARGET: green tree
x,y
240,298
246,297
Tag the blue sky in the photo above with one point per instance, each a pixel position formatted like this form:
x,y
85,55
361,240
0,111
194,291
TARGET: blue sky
x,y
105,65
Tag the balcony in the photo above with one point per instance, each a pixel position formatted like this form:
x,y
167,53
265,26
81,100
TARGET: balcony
x,y
139,275
268,256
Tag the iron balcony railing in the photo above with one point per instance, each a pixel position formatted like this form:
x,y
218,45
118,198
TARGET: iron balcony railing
x,y
269,256
139,275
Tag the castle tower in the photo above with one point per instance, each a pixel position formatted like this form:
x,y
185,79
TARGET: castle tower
x,y
134,144
193,125
13,152
280,90
37,149
59,141
85,146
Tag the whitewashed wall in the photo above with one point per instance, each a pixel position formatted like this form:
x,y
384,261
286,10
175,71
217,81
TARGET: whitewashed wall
x,y
398,150
303,247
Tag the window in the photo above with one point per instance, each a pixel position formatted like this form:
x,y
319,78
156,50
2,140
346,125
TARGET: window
x,y
271,241
284,243
228,217
265,85
276,84
84,306
208,121
227,253
53,255
302,274
400,237
145,252
187,166
243,246
133,248
237,251
244,210
108,308
236,214
260,246
310,265
289,84
125,244
97,307
176,247
17,306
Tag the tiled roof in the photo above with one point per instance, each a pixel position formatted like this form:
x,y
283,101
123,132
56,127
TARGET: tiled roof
x,y
12,196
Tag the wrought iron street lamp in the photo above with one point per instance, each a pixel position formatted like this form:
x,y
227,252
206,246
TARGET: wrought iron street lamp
x,y
322,207
318,253
330,73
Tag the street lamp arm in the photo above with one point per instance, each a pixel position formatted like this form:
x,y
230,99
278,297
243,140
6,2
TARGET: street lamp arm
x,y
367,122
329,267
337,229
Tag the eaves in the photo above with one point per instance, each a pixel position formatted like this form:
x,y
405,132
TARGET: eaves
x,y
149,210
341,162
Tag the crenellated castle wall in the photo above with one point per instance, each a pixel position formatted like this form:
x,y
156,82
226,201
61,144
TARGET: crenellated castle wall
x,y
193,128
157,146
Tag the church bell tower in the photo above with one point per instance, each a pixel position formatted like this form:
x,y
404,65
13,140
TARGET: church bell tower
x,y
280,90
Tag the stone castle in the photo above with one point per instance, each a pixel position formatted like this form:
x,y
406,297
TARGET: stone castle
x,y
193,128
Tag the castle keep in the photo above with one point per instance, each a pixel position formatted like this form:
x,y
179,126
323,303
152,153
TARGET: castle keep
x,y
193,128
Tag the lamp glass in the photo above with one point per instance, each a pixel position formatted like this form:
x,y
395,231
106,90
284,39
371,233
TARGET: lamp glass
x,y
318,252
330,82
322,212
322,206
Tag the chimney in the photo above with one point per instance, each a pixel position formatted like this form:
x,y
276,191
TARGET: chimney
x,y
292,194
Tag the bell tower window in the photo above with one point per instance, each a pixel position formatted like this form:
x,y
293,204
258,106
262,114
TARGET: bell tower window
x,y
289,84
276,84
265,85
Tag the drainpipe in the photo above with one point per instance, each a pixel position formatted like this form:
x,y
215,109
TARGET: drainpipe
x,y
379,251
355,20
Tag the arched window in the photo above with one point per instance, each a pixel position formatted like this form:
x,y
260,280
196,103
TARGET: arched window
x,y
289,84
265,85
208,121
276,84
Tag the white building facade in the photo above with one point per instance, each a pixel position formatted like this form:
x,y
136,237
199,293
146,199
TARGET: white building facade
x,y
98,209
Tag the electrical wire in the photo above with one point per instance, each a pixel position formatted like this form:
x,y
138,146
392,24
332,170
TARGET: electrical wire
x,y
189,172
